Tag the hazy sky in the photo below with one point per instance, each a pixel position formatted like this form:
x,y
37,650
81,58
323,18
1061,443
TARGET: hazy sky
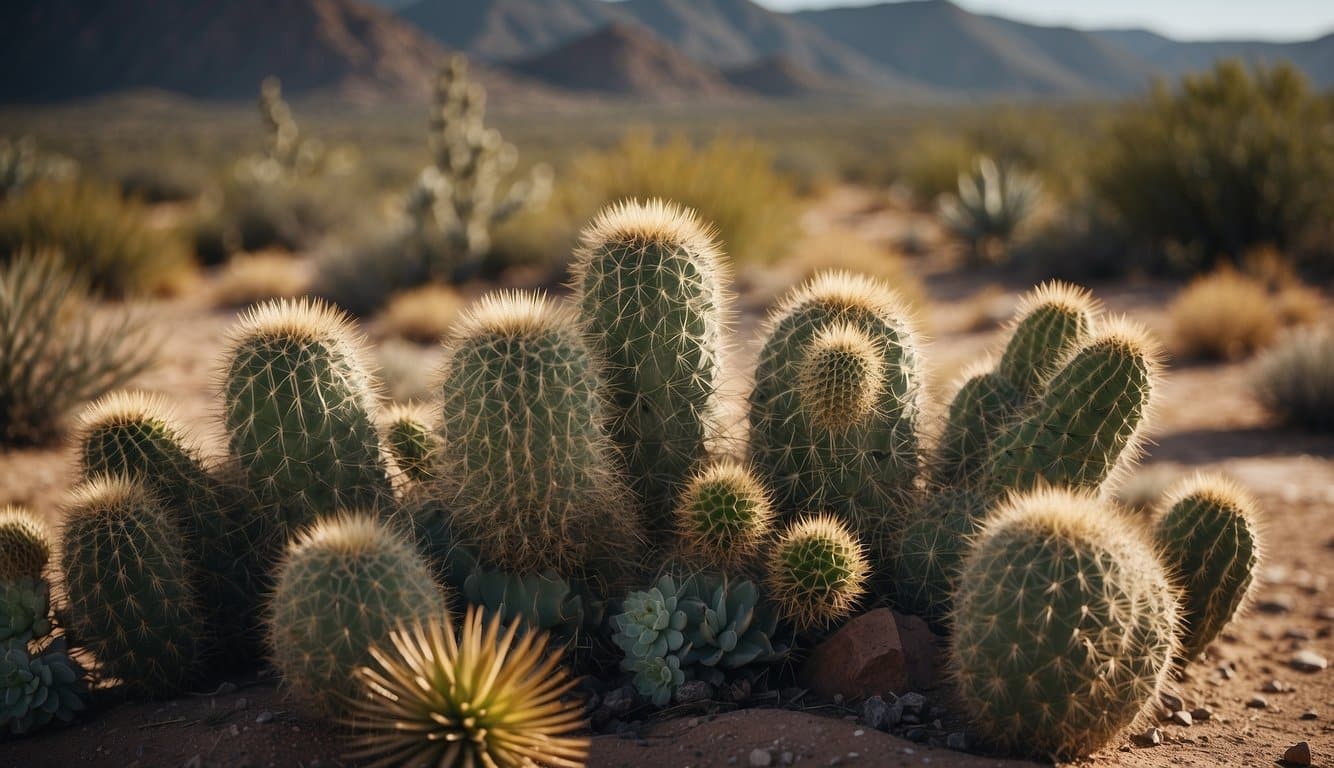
x,y
1184,19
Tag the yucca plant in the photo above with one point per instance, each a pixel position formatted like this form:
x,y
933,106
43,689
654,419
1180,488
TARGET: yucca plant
x,y
53,354
490,697
994,200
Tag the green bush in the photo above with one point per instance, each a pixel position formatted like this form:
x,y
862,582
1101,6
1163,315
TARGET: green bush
x,y
104,237
729,182
1227,161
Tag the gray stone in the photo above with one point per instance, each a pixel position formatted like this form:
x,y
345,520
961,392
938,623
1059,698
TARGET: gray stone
x,y
264,717
693,691
1308,661
1150,738
881,715
912,701
957,740
1201,714
620,700
1257,702
1182,717
759,758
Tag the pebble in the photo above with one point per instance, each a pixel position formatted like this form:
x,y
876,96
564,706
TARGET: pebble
x,y
1182,717
1201,714
235,731
1310,714
1308,661
786,758
1150,738
692,691
1171,702
1298,754
1326,613
912,701
620,700
916,734
1257,703
1276,686
1297,633
859,732
264,717
760,758
879,714
1275,604
957,740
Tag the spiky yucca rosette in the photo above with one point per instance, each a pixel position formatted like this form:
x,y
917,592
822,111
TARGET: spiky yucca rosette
x,y
488,698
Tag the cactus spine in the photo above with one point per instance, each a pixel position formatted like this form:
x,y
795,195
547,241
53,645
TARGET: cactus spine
x,y
649,289
299,408
863,473
725,515
1208,535
128,584
25,544
343,585
523,432
1064,625
817,573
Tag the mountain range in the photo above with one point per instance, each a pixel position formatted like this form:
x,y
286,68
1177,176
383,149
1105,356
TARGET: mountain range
x,y
661,50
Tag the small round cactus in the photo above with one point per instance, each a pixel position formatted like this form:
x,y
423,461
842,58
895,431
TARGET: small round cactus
x,y
1209,538
724,515
342,586
411,441
817,572
25,544
841,377
1064,625
129,585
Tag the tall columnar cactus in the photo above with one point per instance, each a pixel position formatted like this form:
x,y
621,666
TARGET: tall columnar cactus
x,y
128,582
25,544
649,289
343,585
299,407
1208,536
138,436
411,441
817,573
1087,418
1064,625
1053,320
724,515
523,433
863,472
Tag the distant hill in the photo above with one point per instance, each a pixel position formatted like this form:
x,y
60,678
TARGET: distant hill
x,y
627,60
781,77
1173,58
510,30
63,49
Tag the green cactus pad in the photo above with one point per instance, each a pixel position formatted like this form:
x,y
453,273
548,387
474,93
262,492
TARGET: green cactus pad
x,y
725,515
343,585
129,585
412,442
648,285
1209,538
299,407
817,573
1064,625
522,432
25,544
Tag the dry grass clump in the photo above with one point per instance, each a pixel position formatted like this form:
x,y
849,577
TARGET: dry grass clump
x,y
252,278
839,249
1224,315
1295,380
421,315
110,240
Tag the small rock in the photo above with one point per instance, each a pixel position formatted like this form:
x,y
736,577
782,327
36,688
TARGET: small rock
x,y
916,734
264,717
234,730
1200,714
692,691
1150,738
1308,661
864,658
957,740
619,700
1276,686
921,651
876,713
1226,672
1171,702
786,758
1297,633
738,691
859,732
1298,754
1257,702
1326,613
1310,714
912,701
225,689
1275,604
1182,717
760,758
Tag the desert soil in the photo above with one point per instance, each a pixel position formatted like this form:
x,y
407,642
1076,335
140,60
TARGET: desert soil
x,y
1206,420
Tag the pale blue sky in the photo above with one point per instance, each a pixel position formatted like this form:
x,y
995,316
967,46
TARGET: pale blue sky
x,y
1184,19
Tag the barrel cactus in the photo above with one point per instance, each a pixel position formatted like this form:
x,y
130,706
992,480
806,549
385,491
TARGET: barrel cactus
x,y
648,284
724,515
523,430
1208,535
817,573
343,585
129,585
1064,624
25,544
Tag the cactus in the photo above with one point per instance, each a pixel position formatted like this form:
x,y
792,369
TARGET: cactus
x,y
128,583
1064,625
35,690
486,698
541,601
929,551
863,473
728,628
523,431
343,585
817,573
1087,418
299,408
457,200
841,377
724,515
25,610
25,544
411,441
649,289
1208,535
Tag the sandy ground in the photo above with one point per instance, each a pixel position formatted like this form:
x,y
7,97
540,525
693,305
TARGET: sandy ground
x,y
1206,420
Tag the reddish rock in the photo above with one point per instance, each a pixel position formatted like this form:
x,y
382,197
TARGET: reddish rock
x,y
877,653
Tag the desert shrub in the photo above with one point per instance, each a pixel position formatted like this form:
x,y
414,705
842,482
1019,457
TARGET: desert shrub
x,y
1223,316
104,237
23,164
360,275
286,216
730,182
932,165
421,315
1229,160
164,182
251,278
839,249
1295,380
1084,242
54,354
